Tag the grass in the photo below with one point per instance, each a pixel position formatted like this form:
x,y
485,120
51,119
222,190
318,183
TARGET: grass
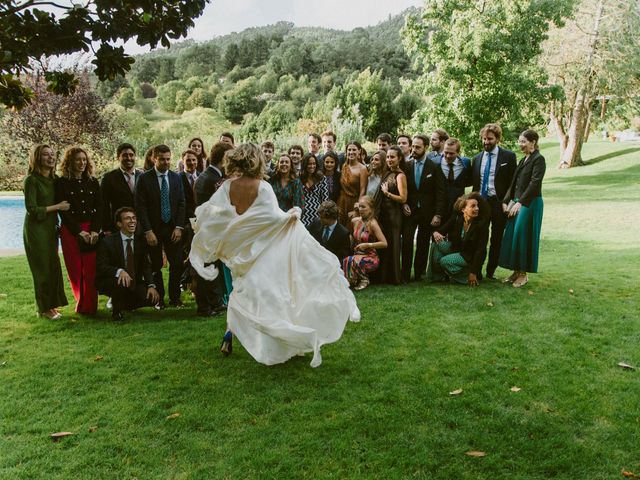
x,y
379,406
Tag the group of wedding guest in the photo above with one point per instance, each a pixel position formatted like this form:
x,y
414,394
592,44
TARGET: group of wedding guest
x,y
378,214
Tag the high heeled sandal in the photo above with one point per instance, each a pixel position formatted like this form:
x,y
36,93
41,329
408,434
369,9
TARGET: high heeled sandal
x,y
226,347
50,314
521,281
364,283
511,278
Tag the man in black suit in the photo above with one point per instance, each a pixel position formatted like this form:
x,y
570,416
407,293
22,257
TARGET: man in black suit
x,y
493,171
329,233
426,201
457,173
209,293
123,267
160,205
118,186
188,176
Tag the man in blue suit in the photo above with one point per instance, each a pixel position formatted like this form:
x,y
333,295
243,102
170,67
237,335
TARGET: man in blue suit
x,y
456,171
160,204
493,170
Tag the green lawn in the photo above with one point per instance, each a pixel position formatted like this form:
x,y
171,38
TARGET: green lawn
x,y
379,406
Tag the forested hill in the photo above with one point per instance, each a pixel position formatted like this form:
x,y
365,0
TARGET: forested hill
x,y
271,79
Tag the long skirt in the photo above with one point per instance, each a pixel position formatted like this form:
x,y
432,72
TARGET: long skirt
x,y
444,263
358,266
81,268
521,241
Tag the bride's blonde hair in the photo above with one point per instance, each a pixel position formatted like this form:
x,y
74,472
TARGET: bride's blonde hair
x,y
247,160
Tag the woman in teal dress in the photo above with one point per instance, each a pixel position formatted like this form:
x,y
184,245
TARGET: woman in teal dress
x,y
40,232
524,206
286,185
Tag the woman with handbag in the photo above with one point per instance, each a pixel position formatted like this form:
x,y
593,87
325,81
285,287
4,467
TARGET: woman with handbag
x,y
80,226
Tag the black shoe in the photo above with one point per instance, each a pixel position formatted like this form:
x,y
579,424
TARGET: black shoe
x,y
210,313
490,276
227,344
176,303
118,316
219,309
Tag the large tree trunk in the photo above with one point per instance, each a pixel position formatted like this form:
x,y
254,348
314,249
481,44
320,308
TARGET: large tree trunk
x,y
572,156
558,125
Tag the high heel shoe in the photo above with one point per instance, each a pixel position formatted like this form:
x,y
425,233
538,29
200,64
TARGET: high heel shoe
x,y
364,283
521,281
226,347
51,314
511,278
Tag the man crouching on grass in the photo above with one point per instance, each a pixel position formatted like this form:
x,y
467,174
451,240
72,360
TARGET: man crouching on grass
x,y
124,268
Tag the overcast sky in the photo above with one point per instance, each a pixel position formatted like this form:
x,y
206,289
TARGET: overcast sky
x,y
225,16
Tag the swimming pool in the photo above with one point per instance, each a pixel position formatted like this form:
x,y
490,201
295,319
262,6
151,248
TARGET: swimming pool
x,y
11,220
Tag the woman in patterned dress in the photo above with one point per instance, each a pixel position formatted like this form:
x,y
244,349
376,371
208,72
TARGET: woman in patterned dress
x,y
367,237
314,189
393,190
353,182
286,186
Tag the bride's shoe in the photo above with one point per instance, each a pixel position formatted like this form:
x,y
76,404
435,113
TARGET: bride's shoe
x,y
227,344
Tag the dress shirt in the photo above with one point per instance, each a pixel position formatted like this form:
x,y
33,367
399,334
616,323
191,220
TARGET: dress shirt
x,y
457,167
491,190
166,174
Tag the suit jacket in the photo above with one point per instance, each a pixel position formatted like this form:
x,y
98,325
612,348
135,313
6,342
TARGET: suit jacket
x,y
148,201
206,185
456,189
115,194
505,167
338,243
189,196
527,180
431,195
473,247
110,258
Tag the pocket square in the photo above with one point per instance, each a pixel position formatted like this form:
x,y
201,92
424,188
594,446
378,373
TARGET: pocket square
x,y
430,175
503,164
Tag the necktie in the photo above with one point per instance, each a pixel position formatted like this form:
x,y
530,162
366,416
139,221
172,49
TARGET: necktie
x,y
485,177
191,180
325,235
131,181
165,209
131,266
419,166
450,177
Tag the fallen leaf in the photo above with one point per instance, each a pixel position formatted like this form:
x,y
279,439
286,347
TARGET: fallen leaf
x,y
173,415
515,389
93,429
98,358
456,392
57,436
474,453
571,291
515,369
489,304
530,292
3,364
626,366
629,474
3,295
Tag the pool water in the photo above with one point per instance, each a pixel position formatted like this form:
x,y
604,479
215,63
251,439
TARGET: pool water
x,y
11,221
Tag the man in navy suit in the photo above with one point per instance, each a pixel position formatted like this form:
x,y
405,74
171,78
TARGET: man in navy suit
x,y
329,233
456,171
123,267
118,186
425,207
493,170
160,205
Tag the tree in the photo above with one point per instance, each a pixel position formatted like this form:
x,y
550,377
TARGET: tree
x,y
28,33
478,62
602,61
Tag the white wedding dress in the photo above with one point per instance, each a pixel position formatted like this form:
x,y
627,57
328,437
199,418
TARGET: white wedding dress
x,y
289,294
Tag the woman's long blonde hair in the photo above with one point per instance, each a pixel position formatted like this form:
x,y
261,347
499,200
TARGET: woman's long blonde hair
x,y
35,164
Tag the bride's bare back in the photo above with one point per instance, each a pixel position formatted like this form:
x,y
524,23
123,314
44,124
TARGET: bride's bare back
x,y
243,191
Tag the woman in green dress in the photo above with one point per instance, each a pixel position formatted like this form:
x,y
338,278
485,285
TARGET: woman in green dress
x,y
40,233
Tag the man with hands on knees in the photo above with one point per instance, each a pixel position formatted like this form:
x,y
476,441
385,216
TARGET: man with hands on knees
x,y
124,268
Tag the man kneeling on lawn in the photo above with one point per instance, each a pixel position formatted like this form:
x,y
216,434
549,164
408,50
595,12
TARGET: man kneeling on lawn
x,y
124,268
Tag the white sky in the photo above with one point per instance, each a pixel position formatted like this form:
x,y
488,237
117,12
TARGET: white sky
x,y
226,16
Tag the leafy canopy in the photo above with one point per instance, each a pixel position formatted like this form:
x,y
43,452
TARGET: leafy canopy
x,y
28,33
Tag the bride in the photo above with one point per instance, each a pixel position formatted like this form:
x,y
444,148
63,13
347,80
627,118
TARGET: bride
x,y
289,295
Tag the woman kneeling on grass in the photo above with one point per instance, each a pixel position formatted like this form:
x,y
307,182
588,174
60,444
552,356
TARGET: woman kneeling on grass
x,y
367,237
461,257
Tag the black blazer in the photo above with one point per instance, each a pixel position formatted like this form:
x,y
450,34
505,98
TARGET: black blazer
x,y
338,243
86,203
431,194
148,201
526,184
505,167
189,196
110,258
456,189
206,185
473,247
115,194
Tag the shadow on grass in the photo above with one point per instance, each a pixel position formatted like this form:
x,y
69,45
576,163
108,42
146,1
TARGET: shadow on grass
x,y
609,155
623,178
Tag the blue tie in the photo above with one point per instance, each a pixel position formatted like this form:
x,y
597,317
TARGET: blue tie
x,y
165,209
325,235
485,176
418,172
